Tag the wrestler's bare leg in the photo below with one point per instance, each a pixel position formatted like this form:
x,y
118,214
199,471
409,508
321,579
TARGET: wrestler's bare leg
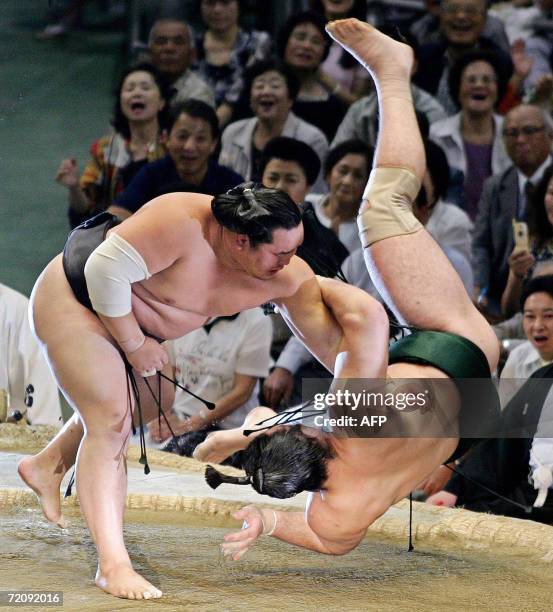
x,y
44,472
410,270
91,374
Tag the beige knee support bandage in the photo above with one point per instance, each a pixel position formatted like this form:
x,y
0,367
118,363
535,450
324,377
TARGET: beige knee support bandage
x,y
387,205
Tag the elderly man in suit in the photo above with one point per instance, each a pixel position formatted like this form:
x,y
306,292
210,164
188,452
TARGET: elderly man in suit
x,y
528,138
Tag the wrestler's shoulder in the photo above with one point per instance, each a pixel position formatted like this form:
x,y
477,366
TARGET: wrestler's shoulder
x,y
171,212
172,220
295,274
180,205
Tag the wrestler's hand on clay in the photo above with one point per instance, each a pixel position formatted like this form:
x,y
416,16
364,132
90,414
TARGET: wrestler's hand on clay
x,y
149,358
442,498
238,543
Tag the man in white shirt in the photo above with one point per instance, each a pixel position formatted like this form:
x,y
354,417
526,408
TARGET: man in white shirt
x,y
221,362
24,373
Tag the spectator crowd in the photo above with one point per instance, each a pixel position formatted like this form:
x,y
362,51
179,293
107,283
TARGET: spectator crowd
x,y
206,109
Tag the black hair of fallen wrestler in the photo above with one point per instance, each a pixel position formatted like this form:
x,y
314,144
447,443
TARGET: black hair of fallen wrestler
x,y
255,210
286,463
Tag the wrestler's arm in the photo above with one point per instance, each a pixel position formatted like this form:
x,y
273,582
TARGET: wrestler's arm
x,y
158,233
333,319
308,316
324,527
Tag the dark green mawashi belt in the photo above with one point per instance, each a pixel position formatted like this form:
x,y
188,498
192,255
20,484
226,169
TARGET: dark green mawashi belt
x,y
453,354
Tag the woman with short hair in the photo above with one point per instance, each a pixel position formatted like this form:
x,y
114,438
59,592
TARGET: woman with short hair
x,y
272,87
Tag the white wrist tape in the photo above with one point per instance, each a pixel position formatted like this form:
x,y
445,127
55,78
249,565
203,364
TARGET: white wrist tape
x,y
109,271
272,530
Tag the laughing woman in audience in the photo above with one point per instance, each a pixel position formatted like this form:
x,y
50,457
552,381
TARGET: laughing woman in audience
x,y
116,157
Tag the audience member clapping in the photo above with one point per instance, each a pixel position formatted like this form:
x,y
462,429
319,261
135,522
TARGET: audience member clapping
x,y
117,157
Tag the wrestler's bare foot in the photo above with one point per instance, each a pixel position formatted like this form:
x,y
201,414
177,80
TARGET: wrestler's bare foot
x,y
381,55
222,444
219,445
122,581
46,483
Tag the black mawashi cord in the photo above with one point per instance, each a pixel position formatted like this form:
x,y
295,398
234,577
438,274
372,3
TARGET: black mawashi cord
x,y
285,418
411,547
131,383
157,400
207,404
70,485
143,457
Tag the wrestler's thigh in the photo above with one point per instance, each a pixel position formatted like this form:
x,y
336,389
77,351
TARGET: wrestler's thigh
x,y
423,289
83,357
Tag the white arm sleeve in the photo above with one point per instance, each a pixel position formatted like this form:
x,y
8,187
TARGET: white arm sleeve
x,y
109,271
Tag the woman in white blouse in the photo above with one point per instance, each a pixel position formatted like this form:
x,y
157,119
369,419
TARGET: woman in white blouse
x,y
346,170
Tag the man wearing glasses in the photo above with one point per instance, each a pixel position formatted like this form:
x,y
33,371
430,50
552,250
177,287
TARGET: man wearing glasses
x,y
528,139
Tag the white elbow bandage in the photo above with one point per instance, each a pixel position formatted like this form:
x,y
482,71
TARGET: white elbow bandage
x,y
387,205
109,271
